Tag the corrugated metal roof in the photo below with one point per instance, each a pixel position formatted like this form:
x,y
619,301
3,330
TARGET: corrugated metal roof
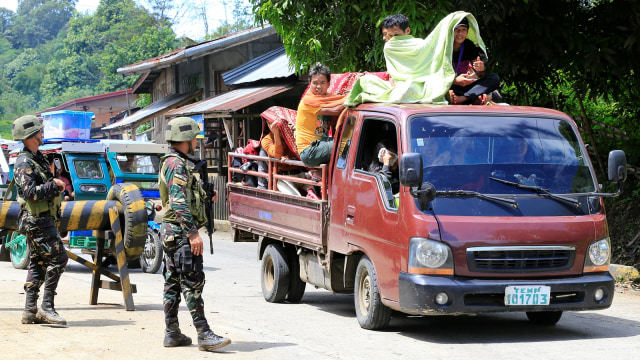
x,y
272,65
86,99
230,101
192,52
153,110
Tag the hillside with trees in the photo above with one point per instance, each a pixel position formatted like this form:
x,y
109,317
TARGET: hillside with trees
x,y
50,53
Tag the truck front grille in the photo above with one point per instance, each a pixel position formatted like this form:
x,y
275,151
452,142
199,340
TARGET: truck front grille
x,y
519,259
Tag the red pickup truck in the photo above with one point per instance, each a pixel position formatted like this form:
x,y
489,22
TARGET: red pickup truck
x,y
497,210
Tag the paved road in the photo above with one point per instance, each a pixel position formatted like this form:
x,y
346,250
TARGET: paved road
x,y
323,326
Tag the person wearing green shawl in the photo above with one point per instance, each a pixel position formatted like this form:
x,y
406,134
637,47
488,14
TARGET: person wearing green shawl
x,y
471,85
421,69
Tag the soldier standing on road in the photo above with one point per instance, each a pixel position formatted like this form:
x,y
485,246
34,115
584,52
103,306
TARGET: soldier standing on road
x,y
39,195
184,199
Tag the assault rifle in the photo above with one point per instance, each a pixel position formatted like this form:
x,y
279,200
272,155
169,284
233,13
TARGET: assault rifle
x,y
201,168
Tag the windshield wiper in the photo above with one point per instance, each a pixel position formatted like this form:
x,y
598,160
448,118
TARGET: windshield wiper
x,y
452,193
538,190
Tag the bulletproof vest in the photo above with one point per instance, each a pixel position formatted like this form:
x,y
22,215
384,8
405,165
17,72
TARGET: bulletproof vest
x,y
39,207
196,196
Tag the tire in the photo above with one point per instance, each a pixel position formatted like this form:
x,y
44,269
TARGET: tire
x,y
372,314
4,252
151,257
133,218
274,274
549,318
296,286
19,252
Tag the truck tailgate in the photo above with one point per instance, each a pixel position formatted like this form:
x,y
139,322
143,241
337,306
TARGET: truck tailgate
x,y
293,219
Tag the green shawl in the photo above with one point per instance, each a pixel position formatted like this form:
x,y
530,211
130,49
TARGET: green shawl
x,y
421,68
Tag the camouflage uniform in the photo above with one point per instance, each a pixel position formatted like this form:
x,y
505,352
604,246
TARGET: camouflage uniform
x,y
177,225
48,255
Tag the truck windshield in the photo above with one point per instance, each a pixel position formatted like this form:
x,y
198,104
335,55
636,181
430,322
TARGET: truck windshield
x,y
469,152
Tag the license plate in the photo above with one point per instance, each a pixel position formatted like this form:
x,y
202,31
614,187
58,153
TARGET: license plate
x,y
527,295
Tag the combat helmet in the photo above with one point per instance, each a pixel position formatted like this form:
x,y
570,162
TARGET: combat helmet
x,y
25,127
181,129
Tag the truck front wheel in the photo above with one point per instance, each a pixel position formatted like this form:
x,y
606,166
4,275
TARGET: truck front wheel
x,y
275,274
544,317
371,312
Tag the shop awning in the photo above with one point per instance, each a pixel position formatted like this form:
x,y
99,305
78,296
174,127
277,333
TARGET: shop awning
x,y
230,101
157,108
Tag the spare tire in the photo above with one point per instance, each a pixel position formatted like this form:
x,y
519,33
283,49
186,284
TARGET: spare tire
x,y
133,218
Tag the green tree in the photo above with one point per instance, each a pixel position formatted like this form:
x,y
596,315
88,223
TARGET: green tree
x,y
38,21
6,19
343,35
117,34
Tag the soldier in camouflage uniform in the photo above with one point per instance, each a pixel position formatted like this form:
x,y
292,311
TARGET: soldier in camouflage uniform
x,y
184,199
39,194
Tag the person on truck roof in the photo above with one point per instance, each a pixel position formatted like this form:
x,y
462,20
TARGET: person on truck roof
x,y
183,197
471,84
421,69
313,121
39,195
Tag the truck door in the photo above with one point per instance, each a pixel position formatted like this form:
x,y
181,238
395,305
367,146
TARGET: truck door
x,y
371,219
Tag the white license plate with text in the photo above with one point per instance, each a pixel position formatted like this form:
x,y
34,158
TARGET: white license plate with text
x,y
527,295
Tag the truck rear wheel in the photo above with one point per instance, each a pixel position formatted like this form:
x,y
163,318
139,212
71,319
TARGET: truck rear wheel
x,y
296,286
275,274
372,314
544,317
19,251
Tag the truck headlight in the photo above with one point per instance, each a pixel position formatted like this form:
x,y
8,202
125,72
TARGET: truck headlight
x,y
598,256
430,257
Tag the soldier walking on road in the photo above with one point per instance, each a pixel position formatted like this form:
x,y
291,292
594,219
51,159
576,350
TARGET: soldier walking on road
x,y
184,199
39,195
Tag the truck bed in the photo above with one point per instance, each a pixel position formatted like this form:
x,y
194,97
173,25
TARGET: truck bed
x,y
293,219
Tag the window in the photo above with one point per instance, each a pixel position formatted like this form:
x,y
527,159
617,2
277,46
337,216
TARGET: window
x,y
88,169
378,134
138,163
345,142
470,152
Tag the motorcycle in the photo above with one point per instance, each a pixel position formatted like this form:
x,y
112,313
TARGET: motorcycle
x,y
151,257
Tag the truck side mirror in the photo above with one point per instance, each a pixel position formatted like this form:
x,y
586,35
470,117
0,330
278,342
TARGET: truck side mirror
x,y
617,166
411,169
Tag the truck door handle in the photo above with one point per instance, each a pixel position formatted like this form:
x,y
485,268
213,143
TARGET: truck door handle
x,y
351,213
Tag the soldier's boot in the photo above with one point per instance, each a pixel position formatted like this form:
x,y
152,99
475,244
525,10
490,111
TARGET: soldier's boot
x,y
174,337
208,341
30,308
47,313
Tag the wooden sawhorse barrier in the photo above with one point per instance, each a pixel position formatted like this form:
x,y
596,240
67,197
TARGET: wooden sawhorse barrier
x,y
121,283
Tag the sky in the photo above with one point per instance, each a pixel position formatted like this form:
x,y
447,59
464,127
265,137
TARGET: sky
x,y
192,28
